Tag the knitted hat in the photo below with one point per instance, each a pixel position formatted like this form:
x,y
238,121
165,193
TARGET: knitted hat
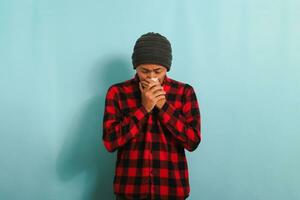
x,y
152,48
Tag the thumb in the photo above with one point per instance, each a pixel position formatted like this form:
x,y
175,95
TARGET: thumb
x,y
141,88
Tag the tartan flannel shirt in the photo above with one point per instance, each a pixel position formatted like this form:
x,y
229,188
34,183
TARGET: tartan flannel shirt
x,y
151,158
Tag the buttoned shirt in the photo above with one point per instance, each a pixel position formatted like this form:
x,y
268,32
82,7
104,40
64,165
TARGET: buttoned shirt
x,y
151,159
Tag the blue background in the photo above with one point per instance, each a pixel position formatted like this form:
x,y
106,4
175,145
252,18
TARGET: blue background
x,y
57,59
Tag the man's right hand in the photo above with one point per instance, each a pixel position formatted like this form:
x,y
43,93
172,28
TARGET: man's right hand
x,y
151,93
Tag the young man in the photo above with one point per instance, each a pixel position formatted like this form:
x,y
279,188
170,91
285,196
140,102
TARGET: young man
x,y
151,119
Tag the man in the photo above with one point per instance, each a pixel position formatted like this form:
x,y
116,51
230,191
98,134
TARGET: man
x,y
150,119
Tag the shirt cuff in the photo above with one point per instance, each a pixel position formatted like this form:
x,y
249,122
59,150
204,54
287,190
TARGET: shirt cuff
x,y
166,112
165,106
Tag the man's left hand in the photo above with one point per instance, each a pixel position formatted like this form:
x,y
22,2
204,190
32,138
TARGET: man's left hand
x,y
161,102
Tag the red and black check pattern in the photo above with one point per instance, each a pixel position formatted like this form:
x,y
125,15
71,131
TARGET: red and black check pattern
x,y
151,158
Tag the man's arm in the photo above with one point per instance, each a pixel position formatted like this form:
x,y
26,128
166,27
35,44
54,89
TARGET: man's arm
x,y
119,129
185,126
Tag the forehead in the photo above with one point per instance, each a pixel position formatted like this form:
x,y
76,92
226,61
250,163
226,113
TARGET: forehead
x,y
150,66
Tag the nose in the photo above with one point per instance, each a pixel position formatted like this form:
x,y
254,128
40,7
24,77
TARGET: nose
x,y
151,75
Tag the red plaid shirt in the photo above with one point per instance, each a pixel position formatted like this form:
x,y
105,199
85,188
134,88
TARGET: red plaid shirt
x,y
151,158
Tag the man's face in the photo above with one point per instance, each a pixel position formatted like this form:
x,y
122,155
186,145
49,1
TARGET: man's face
x,y
148,71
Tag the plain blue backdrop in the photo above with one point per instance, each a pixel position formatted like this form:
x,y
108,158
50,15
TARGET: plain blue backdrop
x,y
58,58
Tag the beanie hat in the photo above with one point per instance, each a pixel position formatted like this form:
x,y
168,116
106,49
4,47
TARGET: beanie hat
x,y
152,48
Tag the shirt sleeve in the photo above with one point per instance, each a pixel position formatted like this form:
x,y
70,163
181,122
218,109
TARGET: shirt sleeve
x,y
185,126
118,128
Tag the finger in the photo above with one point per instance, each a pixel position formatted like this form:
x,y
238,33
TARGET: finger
x,y
152,83
156,88
159,93
144,84
158,98
147,80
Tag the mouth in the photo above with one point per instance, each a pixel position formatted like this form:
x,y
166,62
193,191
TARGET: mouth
x,y
145,84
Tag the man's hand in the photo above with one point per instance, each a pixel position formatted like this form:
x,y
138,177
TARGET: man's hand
x,y
161,102
152,94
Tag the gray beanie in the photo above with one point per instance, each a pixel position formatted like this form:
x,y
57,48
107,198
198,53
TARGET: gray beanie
x,y
152,48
